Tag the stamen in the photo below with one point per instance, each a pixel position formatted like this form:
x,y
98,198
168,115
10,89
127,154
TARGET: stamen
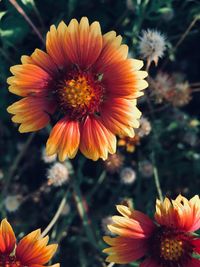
x,y
80,94
171,249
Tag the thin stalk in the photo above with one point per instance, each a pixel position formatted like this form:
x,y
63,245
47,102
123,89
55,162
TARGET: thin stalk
x,y
181,39
29,21
157,183
82,212
16,162
97,184
184,35
57,215
155,171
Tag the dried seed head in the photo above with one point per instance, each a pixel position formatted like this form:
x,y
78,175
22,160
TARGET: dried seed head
x,y
114,162
12,203
58,174
127,175
152,45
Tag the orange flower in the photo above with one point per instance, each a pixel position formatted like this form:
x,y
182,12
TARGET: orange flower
x,y
169,242
87,82
129,143
31,251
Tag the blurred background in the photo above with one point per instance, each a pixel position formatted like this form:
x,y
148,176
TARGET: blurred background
x,y
80,195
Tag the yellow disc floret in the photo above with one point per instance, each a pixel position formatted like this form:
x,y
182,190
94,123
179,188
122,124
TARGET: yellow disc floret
x,y
171,249
78,92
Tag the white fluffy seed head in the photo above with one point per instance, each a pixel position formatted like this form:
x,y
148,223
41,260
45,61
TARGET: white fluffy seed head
x,y
152,45
48,159
144,128
12,203
127,175
58,174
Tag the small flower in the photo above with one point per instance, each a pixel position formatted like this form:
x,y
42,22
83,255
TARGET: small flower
x,y
58,174
46,158
144,128
129,143
32,250
114,162
152,45
12,203
146,168
104,224
86,78
128,175
167,241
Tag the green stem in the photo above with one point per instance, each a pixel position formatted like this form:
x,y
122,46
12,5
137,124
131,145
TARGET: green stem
x,y
157,183
16,163
57,215
82,212
97,184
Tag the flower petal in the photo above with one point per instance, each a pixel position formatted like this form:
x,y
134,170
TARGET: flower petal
x,y
112,52
145,222
121,80
28,79
180,213
96,140
32,112
7,238
42,60
124,250
196,245
54,44
64,139
133,224
120,117
83,42
33,250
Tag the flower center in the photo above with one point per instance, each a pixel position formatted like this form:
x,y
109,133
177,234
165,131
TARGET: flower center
x,y
171,249
9,261
80,94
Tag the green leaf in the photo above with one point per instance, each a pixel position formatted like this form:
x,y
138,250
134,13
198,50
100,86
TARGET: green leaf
x,y
2,13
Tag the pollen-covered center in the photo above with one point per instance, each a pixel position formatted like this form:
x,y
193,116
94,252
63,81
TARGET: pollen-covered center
x,y
79,95
171,249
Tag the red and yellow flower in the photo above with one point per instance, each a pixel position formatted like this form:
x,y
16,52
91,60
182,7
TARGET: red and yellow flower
x,y
31,251
87,82
168,242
